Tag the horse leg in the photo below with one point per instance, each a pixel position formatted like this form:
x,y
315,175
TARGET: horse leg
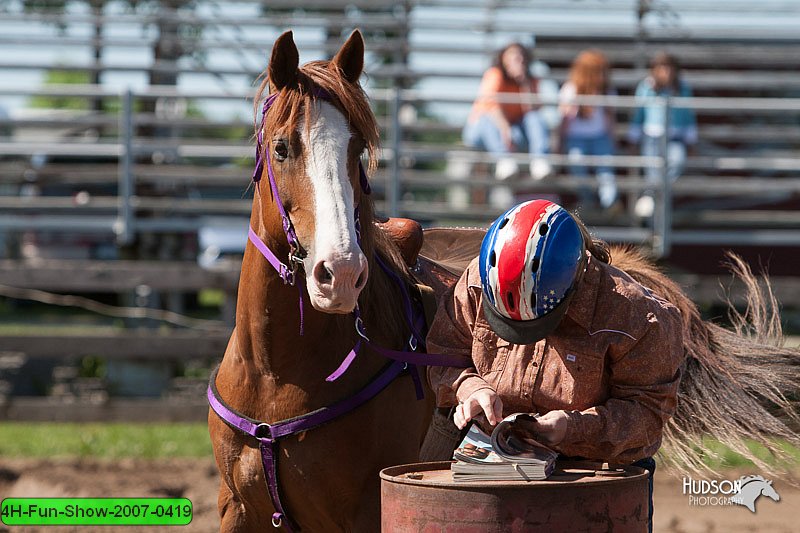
x,y
243,502
231,511
235,517
230,507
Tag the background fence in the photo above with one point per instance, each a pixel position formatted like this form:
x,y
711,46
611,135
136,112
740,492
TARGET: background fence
x,y
126,149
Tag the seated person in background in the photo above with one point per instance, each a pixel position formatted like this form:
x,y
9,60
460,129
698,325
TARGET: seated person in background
x,y
647,126
589,129
504,127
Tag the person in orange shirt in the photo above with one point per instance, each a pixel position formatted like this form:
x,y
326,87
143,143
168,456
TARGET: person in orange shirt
x,y
503,127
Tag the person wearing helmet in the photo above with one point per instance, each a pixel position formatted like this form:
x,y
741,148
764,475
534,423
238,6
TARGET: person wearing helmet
x,y
552,328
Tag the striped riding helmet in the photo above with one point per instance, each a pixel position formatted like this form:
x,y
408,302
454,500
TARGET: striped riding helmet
x,y
531,260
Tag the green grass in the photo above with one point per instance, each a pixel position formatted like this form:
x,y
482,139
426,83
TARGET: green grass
x,y
721,457
149,441
154,441
211,298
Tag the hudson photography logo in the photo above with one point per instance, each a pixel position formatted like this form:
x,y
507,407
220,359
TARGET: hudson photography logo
x,y
724,492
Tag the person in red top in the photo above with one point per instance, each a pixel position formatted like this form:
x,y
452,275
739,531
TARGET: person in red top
x,y
551,327
502,127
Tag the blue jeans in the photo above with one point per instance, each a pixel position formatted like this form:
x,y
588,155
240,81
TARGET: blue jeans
x,y
530,134
649,464
676,160
579,146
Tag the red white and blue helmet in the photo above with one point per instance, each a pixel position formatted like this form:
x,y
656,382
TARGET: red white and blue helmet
x,y
531,259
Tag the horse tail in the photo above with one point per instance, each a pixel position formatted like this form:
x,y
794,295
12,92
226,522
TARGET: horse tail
x,y
738,385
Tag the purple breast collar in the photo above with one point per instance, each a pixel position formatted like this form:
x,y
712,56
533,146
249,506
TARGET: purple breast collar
x,y
268,434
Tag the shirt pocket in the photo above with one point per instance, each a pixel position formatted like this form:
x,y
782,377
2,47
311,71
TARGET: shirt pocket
x,y
570,378
489,351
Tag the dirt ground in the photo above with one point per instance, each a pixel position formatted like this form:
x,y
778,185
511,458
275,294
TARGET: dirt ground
x,y
197,480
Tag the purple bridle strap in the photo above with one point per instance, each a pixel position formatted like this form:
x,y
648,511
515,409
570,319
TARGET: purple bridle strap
x,y
286,274
422,359
288,227
413,325
268,434
416,323
345,364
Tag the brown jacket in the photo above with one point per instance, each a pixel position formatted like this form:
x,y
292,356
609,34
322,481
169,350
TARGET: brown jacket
x,y
613,364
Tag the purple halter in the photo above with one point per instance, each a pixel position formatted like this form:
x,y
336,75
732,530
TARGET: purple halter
x,y
268,434
286,273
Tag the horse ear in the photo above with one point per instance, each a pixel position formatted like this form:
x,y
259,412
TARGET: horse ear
x,y
350,58
284,62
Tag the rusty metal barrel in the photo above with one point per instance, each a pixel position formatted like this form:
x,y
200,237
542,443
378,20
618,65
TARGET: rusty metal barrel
x,y
579,496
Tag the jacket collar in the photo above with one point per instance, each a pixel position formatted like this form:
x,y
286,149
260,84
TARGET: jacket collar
x,y
581,308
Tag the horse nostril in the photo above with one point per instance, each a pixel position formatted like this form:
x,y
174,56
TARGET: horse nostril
x,y
362,279
322,273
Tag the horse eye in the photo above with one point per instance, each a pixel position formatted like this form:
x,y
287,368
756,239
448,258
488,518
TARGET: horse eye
x,y
281,150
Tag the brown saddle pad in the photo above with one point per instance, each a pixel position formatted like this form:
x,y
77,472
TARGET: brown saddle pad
x,y
445,254
452,248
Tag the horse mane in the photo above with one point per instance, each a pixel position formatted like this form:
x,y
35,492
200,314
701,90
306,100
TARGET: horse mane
x,y
381,314
737,386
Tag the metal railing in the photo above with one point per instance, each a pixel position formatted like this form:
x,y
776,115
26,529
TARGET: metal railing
x,y
661,234
397,176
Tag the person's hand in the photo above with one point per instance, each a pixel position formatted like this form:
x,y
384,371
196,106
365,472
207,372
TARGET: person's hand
x,y
482,401
550,427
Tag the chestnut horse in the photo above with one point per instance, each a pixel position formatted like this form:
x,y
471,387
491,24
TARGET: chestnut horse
x,y
279,354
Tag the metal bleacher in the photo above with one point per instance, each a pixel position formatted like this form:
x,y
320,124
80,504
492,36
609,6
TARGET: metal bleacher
x,y
122,181
410,66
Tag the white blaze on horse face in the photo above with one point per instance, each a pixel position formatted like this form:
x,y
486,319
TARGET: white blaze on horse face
x,y
336,269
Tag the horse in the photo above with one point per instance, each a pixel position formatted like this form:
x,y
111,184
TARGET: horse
x,y
278,367
751,488
316,211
